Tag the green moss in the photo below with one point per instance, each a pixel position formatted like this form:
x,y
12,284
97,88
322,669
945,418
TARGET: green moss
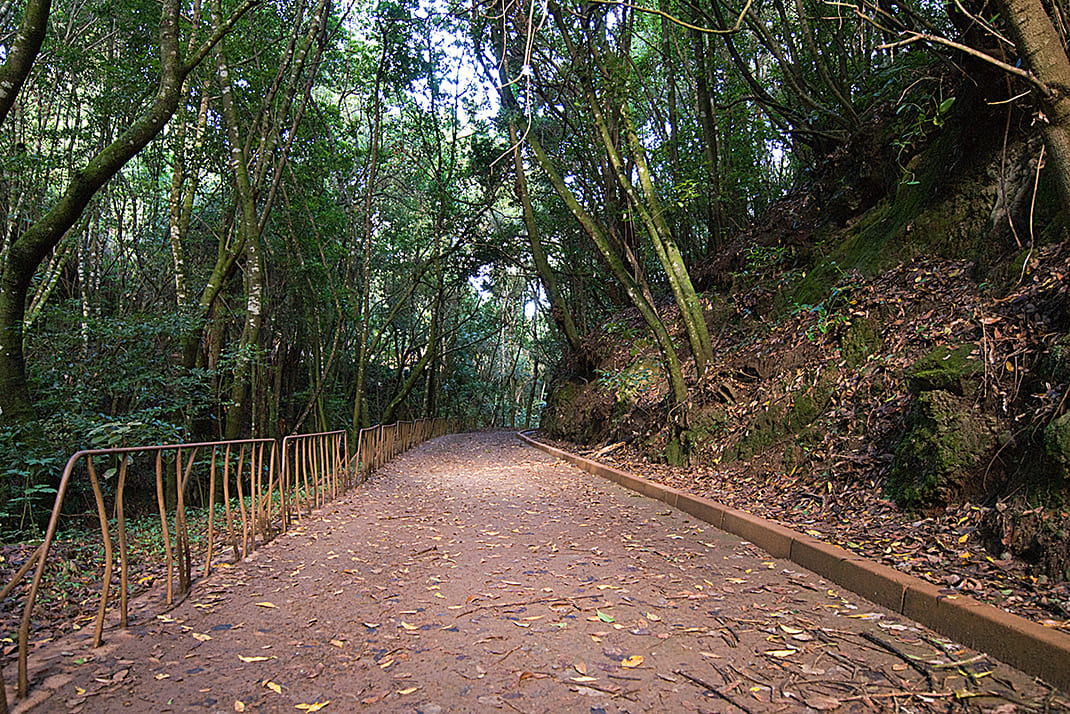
x,y
675,453
950,370
1057,442
811,404
946,441
709,423
765,430
859,341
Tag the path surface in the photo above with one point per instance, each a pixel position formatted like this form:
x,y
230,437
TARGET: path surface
x,y
475,574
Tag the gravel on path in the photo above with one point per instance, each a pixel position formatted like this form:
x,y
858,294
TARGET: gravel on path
x,y
475,574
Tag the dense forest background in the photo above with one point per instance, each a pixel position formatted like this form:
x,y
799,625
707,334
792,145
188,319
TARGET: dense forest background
x,y
715,232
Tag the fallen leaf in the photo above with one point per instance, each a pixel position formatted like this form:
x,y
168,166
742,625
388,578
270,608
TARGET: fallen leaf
x,y
604,617
312,707
409,627
273,686
652,617
407,690
257,658
633,661
266,604
200,637
239,705
781,653
821,703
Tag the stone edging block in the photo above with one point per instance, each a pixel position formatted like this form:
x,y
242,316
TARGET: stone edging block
x,y
1041,651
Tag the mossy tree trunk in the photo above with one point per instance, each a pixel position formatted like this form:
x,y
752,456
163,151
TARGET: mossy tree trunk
x,y
670,360
643,200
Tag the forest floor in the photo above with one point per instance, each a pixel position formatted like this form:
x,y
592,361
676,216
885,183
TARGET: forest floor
x,y
474,574
991,540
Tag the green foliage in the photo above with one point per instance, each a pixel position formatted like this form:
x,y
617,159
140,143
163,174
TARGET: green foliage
x,y
917,123
626,383
29,471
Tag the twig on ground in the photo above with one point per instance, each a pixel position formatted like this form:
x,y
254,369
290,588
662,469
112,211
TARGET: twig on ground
x,y
522,603
917,666
713,690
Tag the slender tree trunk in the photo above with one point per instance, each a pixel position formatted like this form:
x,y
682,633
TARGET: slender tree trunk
x,y
670,360
22,54
711,145
558,309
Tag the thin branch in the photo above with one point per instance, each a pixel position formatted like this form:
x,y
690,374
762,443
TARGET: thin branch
x,y
677,21
1028,76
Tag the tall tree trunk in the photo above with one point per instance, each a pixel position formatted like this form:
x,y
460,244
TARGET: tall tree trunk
x,y
711,145
558,309
670,360
1039,44
22,54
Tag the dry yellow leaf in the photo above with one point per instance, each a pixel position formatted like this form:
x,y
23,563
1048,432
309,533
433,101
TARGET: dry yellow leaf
x,y
239,705
200,637
257,658
407,690
652,617
791,630
633,661
781,653
584,679
409,627
273,686
338,643
312,707
266,604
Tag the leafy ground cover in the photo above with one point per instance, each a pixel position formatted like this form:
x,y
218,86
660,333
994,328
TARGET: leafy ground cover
x,y
803,419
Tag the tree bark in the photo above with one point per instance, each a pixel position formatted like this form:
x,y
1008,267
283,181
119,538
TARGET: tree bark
x,y
22,54
1037,41
670,360
558,309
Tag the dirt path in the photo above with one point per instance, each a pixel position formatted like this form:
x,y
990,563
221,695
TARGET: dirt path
x,y
476,574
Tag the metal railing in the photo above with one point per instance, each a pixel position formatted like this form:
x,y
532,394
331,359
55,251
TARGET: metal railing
x,y
262,486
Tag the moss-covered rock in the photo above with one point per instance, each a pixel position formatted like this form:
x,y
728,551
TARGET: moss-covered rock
x,y
944,369
1057,442
812,403
858,342
675,453
944,446
766,429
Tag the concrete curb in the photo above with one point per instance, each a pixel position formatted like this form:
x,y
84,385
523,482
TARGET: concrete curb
x,y
1041,651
